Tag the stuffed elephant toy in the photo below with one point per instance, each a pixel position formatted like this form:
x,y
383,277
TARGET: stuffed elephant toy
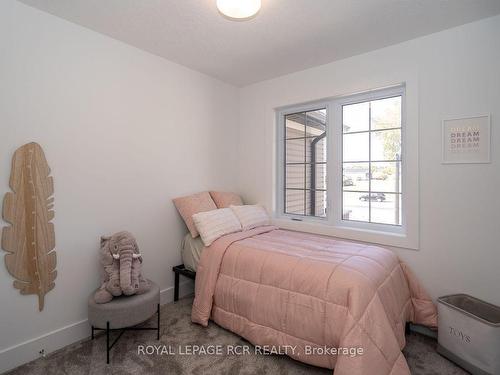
x,y
122,265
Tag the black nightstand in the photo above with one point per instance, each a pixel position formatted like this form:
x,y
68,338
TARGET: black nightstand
x,y
181,270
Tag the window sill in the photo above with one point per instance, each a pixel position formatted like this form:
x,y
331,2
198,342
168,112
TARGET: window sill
x,y
402,240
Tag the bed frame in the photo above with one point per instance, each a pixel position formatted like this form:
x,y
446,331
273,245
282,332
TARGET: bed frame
x,y
181,270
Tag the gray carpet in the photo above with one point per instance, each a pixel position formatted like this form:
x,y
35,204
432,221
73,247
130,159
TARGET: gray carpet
x,y
89,357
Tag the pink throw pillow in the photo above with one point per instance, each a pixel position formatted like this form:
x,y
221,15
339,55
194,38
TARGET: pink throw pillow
x,y
192,204
224,200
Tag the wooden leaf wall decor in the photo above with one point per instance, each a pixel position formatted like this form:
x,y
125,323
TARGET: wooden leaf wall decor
x,y
30,239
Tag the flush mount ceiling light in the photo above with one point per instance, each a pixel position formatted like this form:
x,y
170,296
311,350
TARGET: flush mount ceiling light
x,y
239,10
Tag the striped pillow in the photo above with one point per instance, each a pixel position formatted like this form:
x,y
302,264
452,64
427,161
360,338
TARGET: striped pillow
x,y
216,223
251,216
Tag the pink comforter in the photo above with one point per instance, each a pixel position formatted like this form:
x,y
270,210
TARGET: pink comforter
x,y
282,288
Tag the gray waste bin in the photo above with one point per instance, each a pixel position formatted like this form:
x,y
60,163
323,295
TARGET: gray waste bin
x,y
469,333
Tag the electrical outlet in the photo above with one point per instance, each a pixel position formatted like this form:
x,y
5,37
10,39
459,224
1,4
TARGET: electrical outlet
x,y
42,353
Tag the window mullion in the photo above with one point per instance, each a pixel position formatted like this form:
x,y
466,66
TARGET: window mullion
x,y
369,162
334,164
305,166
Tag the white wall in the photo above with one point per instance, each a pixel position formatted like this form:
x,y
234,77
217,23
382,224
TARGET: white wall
x,y
124,132
457,74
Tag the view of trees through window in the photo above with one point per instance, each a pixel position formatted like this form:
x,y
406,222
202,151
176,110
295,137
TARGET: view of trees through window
x,y
371,152
305,163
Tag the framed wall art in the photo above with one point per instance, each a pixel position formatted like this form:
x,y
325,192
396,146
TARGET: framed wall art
x,y
467,140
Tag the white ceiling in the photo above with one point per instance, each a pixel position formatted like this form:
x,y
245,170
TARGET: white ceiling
x,y
286,36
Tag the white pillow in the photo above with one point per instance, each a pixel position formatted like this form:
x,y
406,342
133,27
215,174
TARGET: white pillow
x,y
216,223
251,216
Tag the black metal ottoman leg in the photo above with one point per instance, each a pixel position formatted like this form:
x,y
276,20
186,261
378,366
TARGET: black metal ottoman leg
x,y
158,330
176,287
107,343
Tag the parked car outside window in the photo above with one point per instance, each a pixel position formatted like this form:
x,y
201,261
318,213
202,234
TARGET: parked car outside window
x,y
347,181
378,197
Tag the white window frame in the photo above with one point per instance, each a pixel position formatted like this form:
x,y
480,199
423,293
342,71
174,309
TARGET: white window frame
x,y
404,235
337,144
281,159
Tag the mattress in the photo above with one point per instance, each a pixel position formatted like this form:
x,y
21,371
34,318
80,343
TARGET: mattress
x,y
191,251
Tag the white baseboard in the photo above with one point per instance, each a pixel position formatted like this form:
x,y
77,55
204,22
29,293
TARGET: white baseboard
x,y
186,288
29,350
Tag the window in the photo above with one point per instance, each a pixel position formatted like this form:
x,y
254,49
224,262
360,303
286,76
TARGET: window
x,y
371,161
305,184
343,163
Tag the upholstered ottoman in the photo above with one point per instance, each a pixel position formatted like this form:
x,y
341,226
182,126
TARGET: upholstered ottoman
x,y
124,313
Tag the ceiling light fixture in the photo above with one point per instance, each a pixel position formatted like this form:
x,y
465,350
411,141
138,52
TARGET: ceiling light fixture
x,y
239,10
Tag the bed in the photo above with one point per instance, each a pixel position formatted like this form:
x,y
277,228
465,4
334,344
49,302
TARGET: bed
x,y
280,288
